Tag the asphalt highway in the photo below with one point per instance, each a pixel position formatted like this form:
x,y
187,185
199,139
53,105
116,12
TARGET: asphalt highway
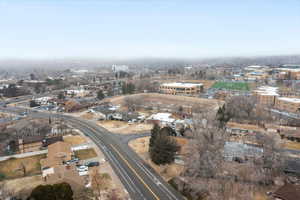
x,y
139,179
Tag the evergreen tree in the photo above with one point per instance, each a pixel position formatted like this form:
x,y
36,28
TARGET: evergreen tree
x,y
61,191
154,133
100,95
128,88
61,95
32,103
124,88
223,116
42,192
168,131
164,150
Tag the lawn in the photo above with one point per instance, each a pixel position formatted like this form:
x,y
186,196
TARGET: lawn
x,y
231,85
84,154
12,168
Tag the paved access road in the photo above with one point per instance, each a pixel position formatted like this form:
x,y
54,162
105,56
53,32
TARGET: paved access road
x,y
140,180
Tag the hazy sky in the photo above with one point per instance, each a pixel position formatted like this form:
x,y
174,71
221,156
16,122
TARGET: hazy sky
x,y
148,28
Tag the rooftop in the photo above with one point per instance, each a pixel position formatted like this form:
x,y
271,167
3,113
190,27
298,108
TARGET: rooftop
x,y
267,90
288,192
291,100
289,69
176,84
165,117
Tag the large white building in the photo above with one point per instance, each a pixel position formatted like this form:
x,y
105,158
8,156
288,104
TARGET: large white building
x,y
181,88
117,68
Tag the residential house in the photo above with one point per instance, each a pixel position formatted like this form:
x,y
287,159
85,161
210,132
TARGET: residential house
x,y
293,135
287,192
30,143
161,118
288,104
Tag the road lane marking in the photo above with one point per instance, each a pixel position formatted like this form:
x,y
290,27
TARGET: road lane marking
x,y
127,163
119,168
151,175
137,175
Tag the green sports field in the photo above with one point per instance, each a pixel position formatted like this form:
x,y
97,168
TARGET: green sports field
x,y
231,85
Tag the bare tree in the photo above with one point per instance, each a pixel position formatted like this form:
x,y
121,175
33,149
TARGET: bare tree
x,y
113,195
22,168
206,158
241,107
100,182
133,102
5,193
272,161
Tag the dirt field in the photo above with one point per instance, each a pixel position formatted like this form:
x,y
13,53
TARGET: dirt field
x,y
168,99
121,127
12,168
84,154
141,145
74,139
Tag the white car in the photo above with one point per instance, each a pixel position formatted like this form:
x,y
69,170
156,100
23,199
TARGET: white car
x,y
82,168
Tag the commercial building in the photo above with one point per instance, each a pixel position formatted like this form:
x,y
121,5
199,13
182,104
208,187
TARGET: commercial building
x,y
181,88
288,104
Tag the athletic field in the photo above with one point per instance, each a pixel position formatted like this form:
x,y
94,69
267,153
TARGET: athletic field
x,y
231,85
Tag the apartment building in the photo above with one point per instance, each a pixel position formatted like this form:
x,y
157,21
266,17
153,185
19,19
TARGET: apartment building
x,y
266,95
288,104
181,88
289,73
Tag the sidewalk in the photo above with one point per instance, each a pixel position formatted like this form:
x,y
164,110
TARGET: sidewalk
x,y
22,155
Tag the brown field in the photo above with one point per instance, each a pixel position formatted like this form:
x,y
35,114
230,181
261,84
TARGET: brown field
x,y
244,126
11,167
140,145
24,184
165,99
3,115
74,139
85,154
291,145
87,116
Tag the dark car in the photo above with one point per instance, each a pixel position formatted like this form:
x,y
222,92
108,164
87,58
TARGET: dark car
x,y
238,159
93,164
